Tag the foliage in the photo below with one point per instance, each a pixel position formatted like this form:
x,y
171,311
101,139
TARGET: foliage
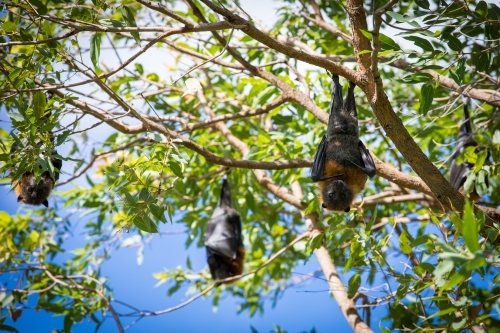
x,y
149,172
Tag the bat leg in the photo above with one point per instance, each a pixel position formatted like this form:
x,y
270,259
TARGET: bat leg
x,y
350,103
318,167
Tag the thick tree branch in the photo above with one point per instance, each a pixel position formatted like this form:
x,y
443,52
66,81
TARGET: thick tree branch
x,y
210,157
278,46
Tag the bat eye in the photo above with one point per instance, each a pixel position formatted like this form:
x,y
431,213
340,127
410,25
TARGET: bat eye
x,y
347,209
330,195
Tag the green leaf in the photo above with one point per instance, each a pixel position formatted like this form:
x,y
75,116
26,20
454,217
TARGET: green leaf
x,y
145,224
426,98
144,194
483,62
128,16
39,102
353,285
367,34
15,116
482,9
312,207
481,183
388,43
316,241
469,182
417,78
176,168
139,68
404,19
457,222
493,11
454,43
496,137
454,280
481,158
404,243
458,75
422,3
424,44
9,27
470,229
95,49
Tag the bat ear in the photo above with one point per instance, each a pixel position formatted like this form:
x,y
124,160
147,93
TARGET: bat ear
x,y
45,203
19,198
347,209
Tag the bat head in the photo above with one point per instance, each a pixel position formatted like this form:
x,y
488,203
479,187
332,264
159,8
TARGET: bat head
x,y
33,193
337,196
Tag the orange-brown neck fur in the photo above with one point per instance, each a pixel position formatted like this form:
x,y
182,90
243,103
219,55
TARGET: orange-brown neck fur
x,y
30,192
236,265
352,175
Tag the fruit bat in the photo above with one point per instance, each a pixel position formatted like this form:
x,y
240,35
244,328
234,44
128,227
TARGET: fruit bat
x,y
31,192
459,172
223,241
342,162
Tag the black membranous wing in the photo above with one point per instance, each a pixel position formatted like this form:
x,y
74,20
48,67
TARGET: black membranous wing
x,y
458,172
369,164
223,234
318,166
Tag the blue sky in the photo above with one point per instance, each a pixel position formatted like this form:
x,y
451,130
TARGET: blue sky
x,y
300,309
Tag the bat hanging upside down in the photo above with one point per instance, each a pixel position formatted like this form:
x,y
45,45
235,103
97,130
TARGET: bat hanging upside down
x,y
28,190
223,241
342,163
459,172
32,193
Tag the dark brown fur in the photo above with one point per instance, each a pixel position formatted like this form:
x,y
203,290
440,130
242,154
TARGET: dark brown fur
x,y
27,189
459,172
342,163
31,193
352,176
223,241
227,267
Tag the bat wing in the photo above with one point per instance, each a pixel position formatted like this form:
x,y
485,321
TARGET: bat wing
x,y
57,163
368,165
223,235
318,166
459,172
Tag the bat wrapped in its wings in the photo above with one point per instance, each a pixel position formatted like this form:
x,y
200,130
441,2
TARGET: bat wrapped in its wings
x,y
223,241
342,162
28,190
459,172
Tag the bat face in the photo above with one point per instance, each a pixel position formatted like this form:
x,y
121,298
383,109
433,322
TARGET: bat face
x,y
337,196
33,193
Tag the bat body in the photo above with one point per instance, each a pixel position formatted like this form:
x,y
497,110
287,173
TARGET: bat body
x,y
459,172
342,162
223,241
31,192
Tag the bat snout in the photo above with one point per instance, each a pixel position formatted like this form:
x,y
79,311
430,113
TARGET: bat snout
x,y
337,196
